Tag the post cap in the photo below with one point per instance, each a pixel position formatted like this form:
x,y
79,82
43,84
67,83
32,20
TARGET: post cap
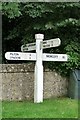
x,y
39,36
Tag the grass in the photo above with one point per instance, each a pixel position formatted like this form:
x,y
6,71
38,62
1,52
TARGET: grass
x,y
51,108
0,110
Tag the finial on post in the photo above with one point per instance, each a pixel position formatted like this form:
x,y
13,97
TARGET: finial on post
x,y
39,36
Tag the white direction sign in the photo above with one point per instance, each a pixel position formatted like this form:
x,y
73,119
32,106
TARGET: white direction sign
x,y
28,47
44,44
20,56
32,56
55,57
51,43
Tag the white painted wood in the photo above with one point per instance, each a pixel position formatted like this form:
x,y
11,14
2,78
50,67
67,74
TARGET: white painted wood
x,y
32,56
55,57
51,43
44,44
38,83
20,56
28,47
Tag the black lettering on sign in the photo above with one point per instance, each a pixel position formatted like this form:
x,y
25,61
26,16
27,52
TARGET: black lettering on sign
x,y
14,54
11,53
30,45
51,42
15,58
52,56
63,57
19,57
25,48
46,45
45,42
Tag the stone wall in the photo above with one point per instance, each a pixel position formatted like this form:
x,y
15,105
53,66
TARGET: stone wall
x,y
18,82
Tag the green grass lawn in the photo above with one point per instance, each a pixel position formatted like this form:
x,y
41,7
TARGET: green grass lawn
x,y
0,110
51,108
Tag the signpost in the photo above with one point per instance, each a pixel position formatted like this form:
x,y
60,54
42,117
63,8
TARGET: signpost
x,y
39,56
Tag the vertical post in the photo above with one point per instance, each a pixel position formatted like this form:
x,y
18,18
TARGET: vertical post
x,y
38,82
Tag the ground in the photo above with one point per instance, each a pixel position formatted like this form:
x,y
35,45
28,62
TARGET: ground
x,y
50,108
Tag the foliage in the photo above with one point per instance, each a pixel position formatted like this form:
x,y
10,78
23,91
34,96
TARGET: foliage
x,y
54,20
9,11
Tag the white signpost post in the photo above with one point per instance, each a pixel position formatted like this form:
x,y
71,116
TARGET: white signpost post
x,y
38,83
39,56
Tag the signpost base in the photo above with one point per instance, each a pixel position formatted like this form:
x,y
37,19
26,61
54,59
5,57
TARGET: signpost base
x,y
38,84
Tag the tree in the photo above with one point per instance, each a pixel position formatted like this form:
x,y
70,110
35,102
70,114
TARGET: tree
x,y
51,19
